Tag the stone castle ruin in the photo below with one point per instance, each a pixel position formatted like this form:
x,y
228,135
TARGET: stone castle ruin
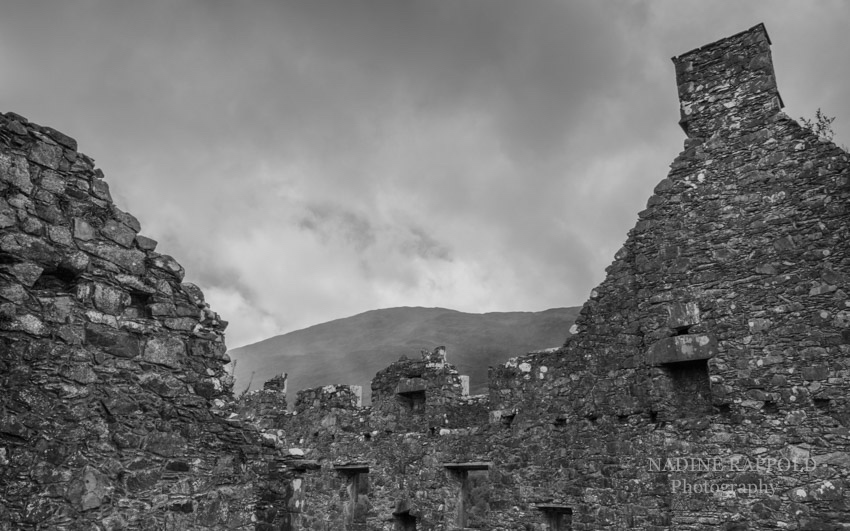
x,y
705,387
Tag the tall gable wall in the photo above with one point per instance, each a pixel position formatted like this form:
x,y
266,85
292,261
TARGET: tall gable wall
x,y
721,330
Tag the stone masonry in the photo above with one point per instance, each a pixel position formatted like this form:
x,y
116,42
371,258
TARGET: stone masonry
x,y
705,386
111,367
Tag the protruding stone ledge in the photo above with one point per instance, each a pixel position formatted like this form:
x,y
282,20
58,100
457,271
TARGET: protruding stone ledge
x,y
682,348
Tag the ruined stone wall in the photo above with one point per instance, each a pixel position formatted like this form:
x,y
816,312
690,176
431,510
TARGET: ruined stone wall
x,y
715,353
713,357
110,365
721,329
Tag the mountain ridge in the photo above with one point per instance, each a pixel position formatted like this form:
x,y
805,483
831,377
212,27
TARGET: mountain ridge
x,y
350,350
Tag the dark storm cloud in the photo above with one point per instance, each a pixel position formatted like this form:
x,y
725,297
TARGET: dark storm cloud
x,y
423,245
331,222
310,159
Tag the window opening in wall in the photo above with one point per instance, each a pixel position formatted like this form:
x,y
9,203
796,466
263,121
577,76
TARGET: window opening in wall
x,y
474,492
690,385
404,522
508,419
560,422
413,400
357,486
138,307
681,330
770,407
56,279
557,517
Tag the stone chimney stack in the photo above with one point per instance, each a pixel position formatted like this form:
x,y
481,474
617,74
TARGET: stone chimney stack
x,y
727,85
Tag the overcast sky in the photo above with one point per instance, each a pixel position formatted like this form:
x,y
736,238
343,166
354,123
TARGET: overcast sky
x,y
308,160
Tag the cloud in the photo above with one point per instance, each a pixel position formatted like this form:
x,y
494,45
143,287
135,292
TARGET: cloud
x,y
308,160
331,222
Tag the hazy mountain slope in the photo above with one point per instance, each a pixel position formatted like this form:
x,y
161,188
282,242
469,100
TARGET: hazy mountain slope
x,y
352,350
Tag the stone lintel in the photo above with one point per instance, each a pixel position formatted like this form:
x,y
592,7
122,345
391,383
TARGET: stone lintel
x,y
472,465
682,348
410,385
554,508
353,468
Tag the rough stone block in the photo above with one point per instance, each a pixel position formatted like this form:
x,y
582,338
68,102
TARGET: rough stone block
x,y
116,342
817,372
119,233
45,154
87,490
194,292
60,235
164,385
60,138
100,189
683,314
15,171
109,300
28,247
167,263
145,243
82,230
168,351
131,260
26,323
128,220
217,350
166,444
26,273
